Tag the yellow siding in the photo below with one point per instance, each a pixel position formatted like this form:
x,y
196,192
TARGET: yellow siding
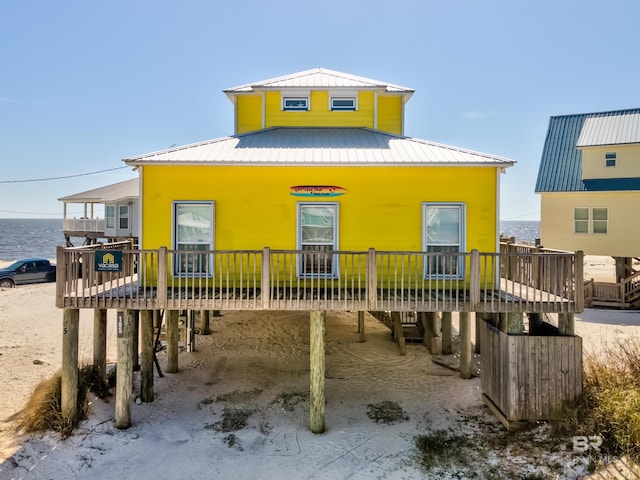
x,y
381,209
248,113
390,114
593,162
319,114
557,225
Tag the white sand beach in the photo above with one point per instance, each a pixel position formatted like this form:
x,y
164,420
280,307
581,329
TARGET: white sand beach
x,y
238,408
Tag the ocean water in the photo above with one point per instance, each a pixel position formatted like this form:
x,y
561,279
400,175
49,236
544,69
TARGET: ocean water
x,y
524,231
21,238
32,237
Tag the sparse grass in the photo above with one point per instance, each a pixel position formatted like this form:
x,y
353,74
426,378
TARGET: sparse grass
x,y
610,403
43,410
442,448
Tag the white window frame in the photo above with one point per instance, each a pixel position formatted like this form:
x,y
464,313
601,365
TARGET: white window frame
x,y
177,267
593,224
334,264
332,106
124,216
295,99
610,159
459,266
110,216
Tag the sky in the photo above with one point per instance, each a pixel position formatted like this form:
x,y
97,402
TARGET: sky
x,y
85,84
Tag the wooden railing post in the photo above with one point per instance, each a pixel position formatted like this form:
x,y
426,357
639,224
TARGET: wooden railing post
x,y
265,279
579,281
474,280
372,280
163,268
61,276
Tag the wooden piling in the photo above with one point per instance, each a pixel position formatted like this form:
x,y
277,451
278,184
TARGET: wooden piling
x,y
100,341
135,343
146,364
361,336
566,324
172,341
465,345
124,371
317,371
398,333
205,328
447,347
69,382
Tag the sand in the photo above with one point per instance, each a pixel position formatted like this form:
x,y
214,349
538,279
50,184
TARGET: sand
x,y
238,408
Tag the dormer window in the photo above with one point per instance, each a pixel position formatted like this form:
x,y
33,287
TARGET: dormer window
x,y
343,103
610,159
295,103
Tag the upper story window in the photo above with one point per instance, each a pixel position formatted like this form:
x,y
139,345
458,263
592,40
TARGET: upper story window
x,y
295,103
343,103
610,159
123,217
110,216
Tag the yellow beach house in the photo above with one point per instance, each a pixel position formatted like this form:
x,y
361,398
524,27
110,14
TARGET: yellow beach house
x,y
318,202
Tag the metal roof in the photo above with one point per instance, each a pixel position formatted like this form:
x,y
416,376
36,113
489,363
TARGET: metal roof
x,y
561,163
321,146
610,130
108,193
319,78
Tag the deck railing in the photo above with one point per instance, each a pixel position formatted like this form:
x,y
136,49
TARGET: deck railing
x,y
336,280
92,225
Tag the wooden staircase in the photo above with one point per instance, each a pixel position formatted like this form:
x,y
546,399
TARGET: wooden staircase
x,y
625,294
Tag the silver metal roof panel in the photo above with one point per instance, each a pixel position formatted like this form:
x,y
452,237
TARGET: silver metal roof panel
x,y
616,129
319,146
107,193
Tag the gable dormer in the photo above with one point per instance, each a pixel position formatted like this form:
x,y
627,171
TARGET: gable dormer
x,y
319,98
610,145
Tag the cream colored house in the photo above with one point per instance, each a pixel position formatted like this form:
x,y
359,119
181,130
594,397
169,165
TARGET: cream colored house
x,y
589,185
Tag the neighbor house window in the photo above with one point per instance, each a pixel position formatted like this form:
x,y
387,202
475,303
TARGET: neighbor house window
x,y
295,103
443,225
123,217
110,216
600,220
343,103
610,159
591,220
193,237
581,220
317,233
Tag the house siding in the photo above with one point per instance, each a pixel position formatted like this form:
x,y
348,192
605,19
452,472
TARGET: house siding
x,y
557,229
627,162
248,113
382,206
390,114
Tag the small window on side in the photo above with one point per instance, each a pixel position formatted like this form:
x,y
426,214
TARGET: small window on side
x,y
610,159
295,103
343,103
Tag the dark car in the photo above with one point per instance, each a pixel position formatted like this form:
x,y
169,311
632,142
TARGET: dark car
x,y
29,270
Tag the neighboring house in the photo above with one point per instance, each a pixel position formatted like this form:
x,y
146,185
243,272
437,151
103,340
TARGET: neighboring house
x,y
121,213
318,162
589,185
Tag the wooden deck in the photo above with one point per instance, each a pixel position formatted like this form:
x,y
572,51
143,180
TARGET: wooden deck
x,y
359,281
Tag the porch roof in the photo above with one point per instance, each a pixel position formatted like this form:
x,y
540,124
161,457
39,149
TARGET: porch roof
x,y
323,146
108,193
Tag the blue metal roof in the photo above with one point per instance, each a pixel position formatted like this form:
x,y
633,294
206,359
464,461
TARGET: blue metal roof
x,y
561,163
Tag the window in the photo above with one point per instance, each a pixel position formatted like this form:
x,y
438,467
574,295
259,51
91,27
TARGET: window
x,y
343,103
317,233
110,216
443,226
295,103
600,220
610,159
123,217
591,220
193,235
581,220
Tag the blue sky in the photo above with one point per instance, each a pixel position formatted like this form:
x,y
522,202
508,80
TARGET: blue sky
x,y
85,84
